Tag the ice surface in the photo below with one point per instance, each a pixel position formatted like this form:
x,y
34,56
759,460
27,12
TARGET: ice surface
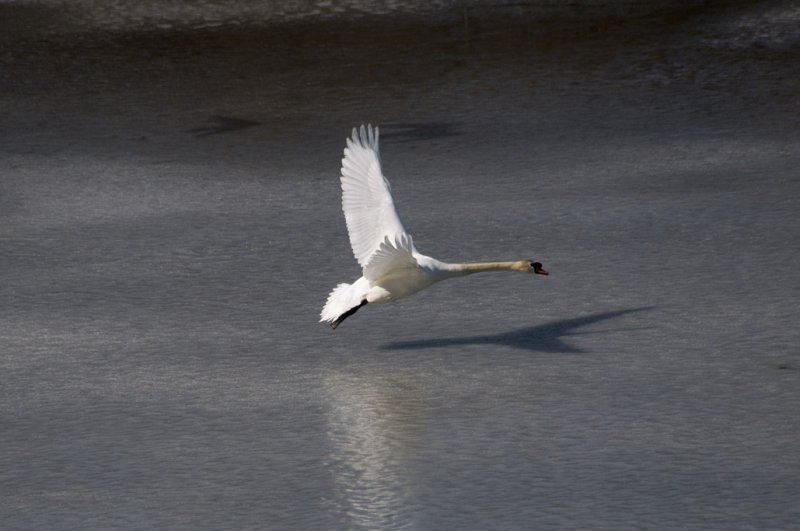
x,y
171,227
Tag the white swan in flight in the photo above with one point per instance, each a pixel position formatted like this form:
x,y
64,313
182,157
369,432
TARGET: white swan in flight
x,y
391,265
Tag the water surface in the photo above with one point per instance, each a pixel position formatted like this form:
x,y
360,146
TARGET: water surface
x,y
171,227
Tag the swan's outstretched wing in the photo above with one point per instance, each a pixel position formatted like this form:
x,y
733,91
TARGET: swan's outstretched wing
x,y
392,256
366,199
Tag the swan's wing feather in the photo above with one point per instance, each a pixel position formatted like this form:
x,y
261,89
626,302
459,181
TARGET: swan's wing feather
x,y
366,198
391,256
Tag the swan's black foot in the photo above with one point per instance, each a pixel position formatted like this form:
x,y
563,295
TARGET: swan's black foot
x,y
347,314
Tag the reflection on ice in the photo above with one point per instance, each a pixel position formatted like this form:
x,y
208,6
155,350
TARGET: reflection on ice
x,y
374,428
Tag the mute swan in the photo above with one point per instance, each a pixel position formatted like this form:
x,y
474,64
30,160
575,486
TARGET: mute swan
x,y
391,265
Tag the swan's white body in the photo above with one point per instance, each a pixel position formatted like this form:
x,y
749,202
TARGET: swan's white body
x,y
391,265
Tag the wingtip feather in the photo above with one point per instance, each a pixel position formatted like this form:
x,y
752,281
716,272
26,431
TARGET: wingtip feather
x,y
365,136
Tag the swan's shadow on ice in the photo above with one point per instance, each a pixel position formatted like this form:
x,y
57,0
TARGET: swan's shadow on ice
x,y
540,338
218,125
418,131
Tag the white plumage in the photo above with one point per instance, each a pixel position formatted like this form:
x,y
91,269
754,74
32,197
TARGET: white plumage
x,y
366,200
392,267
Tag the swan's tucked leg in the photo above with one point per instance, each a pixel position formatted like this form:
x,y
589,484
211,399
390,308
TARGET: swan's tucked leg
x,y
347,314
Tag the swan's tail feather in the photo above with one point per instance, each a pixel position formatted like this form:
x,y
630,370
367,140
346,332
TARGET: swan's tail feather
x,y
343,301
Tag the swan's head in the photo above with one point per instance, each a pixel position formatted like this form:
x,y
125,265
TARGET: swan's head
x,y
529,266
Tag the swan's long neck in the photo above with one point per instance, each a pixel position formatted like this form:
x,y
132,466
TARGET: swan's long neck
x,y
469,268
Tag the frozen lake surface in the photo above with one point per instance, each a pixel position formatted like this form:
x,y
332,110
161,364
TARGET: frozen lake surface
x,y
171,225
